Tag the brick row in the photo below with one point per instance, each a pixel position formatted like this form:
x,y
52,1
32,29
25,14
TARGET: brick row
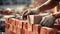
x,y
22,27
57,26
36,28
46,30
58,32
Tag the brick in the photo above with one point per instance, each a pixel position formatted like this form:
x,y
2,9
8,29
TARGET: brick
x,y
14,29
18,31
57,26
46,30
51,31
11,27
18,23
6,20
43,31
36,28
32,32
58,32
27,26
24,31
7,25
24,25
7,31
12,32
13,21
10,21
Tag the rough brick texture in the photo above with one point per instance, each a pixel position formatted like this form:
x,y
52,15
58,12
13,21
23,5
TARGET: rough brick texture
x,y
46,30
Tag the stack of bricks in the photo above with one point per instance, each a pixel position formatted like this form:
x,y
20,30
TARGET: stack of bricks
x,y
15,26
46,30
57,26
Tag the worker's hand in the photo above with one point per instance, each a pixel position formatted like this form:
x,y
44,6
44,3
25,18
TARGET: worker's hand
x,y
47,21
30,11
26,12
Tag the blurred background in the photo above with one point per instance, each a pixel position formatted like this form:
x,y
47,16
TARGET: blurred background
x,y
14,3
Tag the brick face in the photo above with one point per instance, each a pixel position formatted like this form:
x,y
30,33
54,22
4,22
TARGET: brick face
x,y
7,31
24,31
14,29
57,26
13,21
46,30
43,31
11,27
18,24
7,25
12,32
6,20
36,28
58,32
27,26
23,27
18,31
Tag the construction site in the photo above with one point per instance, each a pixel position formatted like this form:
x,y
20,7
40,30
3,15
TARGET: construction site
x,y
29,16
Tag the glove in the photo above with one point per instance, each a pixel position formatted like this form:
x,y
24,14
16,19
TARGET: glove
x,y
47,21
27,12
30,11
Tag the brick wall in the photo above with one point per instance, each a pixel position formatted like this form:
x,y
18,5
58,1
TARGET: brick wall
x,y
16,26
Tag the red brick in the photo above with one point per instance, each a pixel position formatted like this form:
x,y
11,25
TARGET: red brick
x,y
10,21
24,31
57,26
46,30
12,32
32,32
11,27
14,29
7,31
6,20
18,23
27,26
36,28
58,32
51,31
18,31
7,25
43,31
13,21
